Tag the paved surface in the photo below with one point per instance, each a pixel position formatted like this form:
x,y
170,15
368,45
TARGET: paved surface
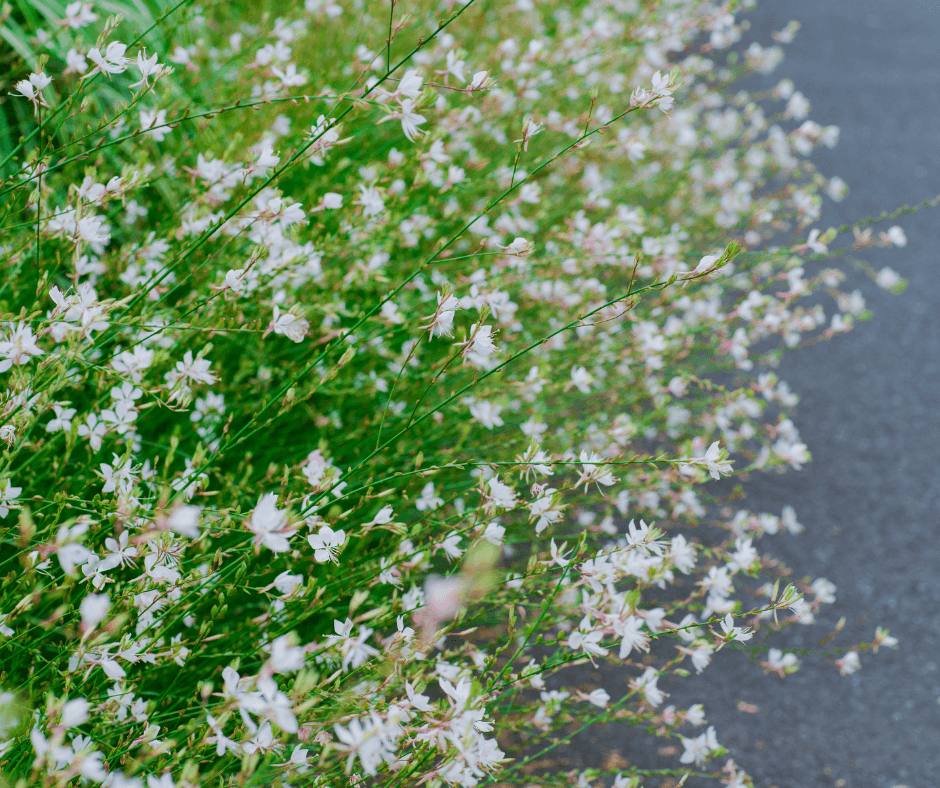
x,y
870,498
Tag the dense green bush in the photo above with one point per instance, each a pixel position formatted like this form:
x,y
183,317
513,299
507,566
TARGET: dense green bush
x,y
348,353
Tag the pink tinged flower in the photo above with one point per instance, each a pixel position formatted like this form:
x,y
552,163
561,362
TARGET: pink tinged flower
x,y
112,61
529,129
326,543
270,525
288,325
443,597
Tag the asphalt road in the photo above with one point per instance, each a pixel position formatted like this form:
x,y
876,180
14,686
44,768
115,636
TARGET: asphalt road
x,y
870,498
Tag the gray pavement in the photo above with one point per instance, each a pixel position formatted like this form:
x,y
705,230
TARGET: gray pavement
x,y
870,498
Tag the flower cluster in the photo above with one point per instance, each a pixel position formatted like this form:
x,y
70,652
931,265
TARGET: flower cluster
x,y
340,416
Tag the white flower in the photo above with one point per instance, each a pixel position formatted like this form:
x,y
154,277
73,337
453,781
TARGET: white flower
x,y
599,697
896,236
428,499
293,327
732,632
75,712
410,84
78,15
587,639
147,66
93,609
631,635
487,414
270,525
75,61
817,246
326,543
410,120
442,321
697,749
647,684
500,495
849,663
154,124
363,739
285,658
481,342
112,61
581,379
332,201
8,495
888,279
185,521
481,81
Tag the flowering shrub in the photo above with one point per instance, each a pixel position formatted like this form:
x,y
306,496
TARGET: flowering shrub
x,y
368,379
